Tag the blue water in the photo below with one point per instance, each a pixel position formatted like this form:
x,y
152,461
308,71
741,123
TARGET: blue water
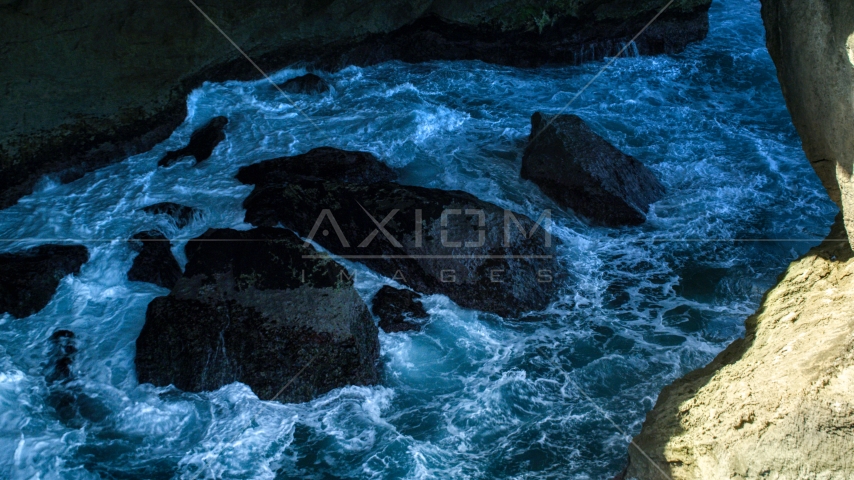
x,y
557,395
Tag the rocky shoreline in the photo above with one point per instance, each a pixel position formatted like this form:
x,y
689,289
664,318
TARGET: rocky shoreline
x,y
778,403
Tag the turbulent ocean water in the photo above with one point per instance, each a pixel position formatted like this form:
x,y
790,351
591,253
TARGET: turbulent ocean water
x,y
556,394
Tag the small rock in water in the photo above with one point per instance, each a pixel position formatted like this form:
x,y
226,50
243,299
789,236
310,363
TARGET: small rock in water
x,y
308,83
28,279
155,262
63,348
202,143
180,214
395,307
259,307
580,170
73,405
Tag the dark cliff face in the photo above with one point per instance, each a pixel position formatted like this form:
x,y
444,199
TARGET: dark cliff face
x,y
88,84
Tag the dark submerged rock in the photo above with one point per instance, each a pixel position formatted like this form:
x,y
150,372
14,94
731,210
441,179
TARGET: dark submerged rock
x,y
260,308
202,143
180,214
469,263
155,262
308,83
395,307
580,170
74,406
28,279
63,347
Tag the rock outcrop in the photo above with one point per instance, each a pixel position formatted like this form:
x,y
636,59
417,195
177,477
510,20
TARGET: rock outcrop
x,y
812,45
155,262
181,215
778,403
126,68
306,84
202,143
580,170
28,279
433,241
396,308
259,308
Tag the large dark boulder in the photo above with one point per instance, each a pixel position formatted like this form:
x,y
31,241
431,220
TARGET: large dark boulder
x,y
306,84
458,248
180,214
396,307
260,308
323,163
28,279
580,170
202,143
155,262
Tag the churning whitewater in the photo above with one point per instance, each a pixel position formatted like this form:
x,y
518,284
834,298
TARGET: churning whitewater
x,y
555,394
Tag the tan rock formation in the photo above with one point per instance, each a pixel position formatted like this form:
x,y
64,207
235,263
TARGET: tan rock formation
x,y
812,44
778,404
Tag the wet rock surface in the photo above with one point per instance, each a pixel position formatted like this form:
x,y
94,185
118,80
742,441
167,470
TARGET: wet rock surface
x,y
155,262
202,143
433,241
580,170
180,214
28,279
259,308
306,84
396,307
